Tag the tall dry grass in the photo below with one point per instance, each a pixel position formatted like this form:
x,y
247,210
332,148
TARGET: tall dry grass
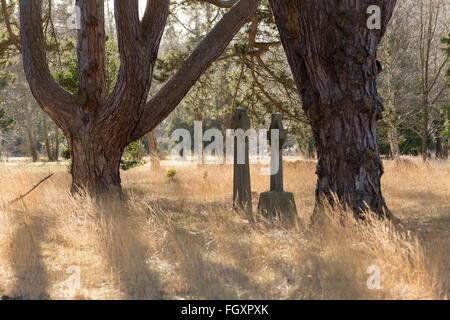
x,y
179,239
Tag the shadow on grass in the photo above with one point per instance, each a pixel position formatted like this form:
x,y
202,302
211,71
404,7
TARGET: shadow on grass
x,y
126,254
206,278
31,279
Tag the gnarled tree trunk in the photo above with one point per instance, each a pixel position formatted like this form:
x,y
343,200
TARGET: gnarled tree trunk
x,y
332,54
98,127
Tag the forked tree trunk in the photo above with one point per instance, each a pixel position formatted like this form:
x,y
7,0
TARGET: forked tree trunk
x,y
95,162
98,127
332,54
439,149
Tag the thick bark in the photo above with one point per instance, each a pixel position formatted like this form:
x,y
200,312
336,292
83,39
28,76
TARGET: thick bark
x,y
98,128
95,163
332,55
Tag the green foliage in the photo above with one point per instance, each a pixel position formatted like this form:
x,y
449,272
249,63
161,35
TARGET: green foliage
x,y
446,132
64,147
167,65
6,122
132,156
129,164
68,77
171,174
112,65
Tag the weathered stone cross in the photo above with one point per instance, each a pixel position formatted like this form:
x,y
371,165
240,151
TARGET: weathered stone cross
x,y
242,194
277,202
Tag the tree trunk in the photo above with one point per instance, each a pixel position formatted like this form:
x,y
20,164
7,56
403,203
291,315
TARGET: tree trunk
x,y
332,54
440,148
393,141
349,162
153,148
424,128
95,162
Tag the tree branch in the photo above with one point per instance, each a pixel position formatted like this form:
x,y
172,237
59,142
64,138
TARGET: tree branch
x,y
138,45
4,45
11,34
53,99
170,95
91,53
221,3
31,190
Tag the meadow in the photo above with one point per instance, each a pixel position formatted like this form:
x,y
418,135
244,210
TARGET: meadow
x,y
178,238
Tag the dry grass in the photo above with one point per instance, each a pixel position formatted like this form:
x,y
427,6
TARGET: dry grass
x,y
180,239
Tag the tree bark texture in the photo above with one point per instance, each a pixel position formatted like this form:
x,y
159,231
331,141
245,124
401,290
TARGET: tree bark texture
x,y
332,54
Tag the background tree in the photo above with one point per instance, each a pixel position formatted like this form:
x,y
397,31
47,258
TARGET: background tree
x,y
432,64
6,123
397,82
445,134
252,73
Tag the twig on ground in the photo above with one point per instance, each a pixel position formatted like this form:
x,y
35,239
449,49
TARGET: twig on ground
x,y
31,190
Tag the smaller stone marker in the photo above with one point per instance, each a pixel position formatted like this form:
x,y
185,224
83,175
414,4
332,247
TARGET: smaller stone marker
x,y
277,202
242,194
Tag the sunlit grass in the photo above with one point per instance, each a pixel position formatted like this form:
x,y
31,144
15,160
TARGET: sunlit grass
x,y
179,239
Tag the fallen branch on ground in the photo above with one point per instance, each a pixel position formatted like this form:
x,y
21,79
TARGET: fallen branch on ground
x,y
31,190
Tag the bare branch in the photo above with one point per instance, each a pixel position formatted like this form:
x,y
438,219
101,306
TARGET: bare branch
x,y
170,95
221,3
4,45
31,190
